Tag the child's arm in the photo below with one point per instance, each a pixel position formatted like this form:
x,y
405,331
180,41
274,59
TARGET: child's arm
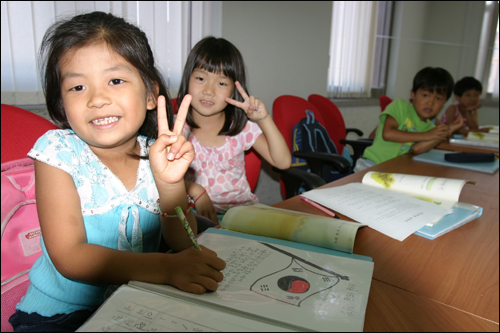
x,y
451,121
270,145
472,119
61,222
424,140
203,203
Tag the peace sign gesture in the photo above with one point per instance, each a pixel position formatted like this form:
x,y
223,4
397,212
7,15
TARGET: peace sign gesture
x,y
253,107
171,154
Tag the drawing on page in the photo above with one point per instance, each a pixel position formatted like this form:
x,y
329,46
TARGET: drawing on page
x,y
296,282
384,178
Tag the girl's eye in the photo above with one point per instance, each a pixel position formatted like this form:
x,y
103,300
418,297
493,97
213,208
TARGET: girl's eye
x,y
78,88
199,78
116,81
222,84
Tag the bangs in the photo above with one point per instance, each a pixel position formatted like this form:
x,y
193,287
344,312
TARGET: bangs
x,y
440,89
217,61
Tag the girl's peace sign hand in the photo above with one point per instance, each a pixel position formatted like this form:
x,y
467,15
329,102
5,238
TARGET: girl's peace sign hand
x,y
171,154
254,108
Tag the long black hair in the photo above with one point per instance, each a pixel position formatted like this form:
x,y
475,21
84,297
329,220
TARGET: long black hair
x,y
217,55
124,38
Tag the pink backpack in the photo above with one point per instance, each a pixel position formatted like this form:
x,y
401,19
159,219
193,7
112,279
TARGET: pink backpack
x,y
20,233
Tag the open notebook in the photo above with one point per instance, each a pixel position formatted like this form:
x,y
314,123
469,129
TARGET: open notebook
x,y
269,285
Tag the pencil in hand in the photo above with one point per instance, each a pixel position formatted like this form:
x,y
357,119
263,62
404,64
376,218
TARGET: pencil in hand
x,y
186,225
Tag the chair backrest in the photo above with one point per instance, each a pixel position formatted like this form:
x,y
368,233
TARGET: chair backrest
x,y
384,101
288,110
253,161
20,130
334,121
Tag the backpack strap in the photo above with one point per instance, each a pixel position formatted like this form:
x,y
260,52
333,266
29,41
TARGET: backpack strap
x,y
310,117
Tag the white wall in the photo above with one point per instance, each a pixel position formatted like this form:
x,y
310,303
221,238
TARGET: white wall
x,y
285,46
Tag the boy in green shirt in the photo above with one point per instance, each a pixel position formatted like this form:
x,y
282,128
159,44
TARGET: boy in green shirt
x,y
406,127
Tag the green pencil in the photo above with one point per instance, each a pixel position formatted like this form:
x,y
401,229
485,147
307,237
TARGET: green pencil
x,y
186,225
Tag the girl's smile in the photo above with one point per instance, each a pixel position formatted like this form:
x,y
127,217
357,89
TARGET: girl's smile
x,y
105,121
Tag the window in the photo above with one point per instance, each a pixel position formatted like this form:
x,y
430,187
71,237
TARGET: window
x,y
171,26
359,48
487,59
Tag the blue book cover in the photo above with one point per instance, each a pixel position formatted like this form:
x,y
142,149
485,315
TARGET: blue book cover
x,y
462,213
436,156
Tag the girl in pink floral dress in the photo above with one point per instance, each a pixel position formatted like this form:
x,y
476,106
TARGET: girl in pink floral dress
x,y
217,125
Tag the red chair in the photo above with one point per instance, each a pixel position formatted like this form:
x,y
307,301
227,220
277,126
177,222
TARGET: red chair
x,y
335,125
20,130
288,110
384,101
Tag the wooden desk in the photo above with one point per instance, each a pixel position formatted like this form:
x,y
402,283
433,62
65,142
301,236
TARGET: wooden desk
x,y
458,269
391,309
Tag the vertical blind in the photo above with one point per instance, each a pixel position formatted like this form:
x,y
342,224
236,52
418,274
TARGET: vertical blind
x,y
166,23
351,49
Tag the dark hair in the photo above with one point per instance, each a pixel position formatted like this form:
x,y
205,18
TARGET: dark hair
x,y
434,79
217,55
97,27
467,83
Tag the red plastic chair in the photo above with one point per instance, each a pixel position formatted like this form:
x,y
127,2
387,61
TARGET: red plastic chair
x,y
288,110
335,125
384,101
252,159
20,130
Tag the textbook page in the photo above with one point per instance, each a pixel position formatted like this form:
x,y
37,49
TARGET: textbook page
x,y
441,191
300,289
131,309
396,215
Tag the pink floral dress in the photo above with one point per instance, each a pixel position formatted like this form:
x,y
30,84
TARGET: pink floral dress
x,y
221,170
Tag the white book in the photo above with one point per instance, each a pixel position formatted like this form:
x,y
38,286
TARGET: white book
x,y
268,285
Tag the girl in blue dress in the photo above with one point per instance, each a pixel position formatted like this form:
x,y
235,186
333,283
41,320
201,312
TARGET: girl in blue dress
x,y
108,182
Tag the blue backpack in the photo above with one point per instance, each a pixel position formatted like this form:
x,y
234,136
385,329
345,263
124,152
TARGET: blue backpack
x,y
310,135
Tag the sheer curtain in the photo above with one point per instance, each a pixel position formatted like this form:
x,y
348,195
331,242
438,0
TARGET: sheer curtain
x,y
351,49
168,25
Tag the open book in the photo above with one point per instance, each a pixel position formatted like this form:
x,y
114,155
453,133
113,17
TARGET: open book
x,y
269,285
395,204
479,139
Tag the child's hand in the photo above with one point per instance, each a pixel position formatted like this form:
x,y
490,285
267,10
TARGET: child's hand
x,y
473,108
171,154
253,107
195,271
205,207
458,123
438,132
484,130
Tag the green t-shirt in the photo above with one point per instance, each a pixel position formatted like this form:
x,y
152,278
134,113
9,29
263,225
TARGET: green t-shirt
x,y
408,121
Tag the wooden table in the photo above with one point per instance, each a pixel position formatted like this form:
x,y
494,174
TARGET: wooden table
x,y
458,270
